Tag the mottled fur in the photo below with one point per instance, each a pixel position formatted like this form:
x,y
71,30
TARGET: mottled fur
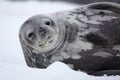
x,y
84,38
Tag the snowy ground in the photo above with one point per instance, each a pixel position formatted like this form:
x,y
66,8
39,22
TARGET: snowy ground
x,y
12,63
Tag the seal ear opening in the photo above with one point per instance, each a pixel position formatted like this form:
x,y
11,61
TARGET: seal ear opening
x,y
105,6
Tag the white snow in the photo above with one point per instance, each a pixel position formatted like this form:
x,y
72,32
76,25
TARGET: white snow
x,y
12,63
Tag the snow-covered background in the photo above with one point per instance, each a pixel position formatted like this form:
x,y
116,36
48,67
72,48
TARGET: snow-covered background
x,y
12,63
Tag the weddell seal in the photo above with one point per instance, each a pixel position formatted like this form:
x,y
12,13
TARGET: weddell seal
x,y
86,39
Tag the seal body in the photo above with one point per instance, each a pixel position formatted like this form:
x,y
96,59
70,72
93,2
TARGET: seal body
x,y
86,39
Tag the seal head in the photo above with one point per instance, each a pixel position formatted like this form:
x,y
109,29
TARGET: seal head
x,y
40,35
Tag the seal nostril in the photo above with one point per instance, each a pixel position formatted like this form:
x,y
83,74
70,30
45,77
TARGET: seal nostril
x,y
40,29
96,39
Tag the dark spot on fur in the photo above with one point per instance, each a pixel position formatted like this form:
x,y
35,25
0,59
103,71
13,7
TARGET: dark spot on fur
x,y
102,13
51,41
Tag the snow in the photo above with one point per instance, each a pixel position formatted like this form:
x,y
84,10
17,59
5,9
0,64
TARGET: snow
x,y
12,63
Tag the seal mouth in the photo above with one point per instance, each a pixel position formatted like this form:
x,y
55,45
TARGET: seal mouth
x,y
44,43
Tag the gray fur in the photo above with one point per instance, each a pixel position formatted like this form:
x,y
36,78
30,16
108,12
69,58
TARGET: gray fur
x,y
83,38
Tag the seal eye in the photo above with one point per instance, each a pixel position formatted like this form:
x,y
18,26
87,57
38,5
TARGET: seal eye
x,y
48,23
30,35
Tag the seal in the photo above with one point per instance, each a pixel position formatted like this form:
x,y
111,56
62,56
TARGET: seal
x,y
86,39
